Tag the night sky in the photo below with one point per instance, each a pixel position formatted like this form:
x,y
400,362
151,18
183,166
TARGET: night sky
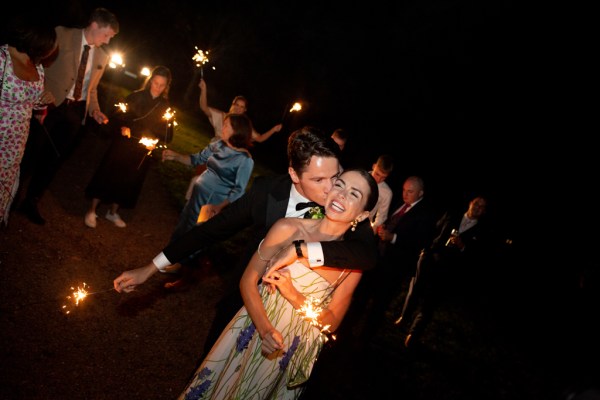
x,y
434,83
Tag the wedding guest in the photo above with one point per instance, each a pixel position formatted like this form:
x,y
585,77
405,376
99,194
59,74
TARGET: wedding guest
x,y
406,232
381,170
229,166
121,174
456,256
239,105
72,107
21,91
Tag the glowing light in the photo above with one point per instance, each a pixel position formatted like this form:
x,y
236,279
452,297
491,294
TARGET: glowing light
x,y
145,71
116,60
122,107
295,108
169,114
147,142
78,295
201,57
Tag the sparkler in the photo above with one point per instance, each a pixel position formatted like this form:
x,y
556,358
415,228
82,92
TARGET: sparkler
x,y
200,58
168,116
295,107
122,107
80,294
149,144
310,312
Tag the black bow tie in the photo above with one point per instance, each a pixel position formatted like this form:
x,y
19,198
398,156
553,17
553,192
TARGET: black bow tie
x,y
302,206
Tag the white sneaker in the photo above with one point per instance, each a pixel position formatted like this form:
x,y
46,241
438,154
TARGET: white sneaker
x,y
116,219
90,219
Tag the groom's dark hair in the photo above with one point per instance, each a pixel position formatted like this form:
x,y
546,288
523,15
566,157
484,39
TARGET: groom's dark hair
x,y
307,142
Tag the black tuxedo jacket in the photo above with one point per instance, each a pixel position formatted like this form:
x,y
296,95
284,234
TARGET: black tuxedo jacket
x,y
260,207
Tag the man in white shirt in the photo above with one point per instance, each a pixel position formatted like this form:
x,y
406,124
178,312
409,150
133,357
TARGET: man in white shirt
x,y
381,170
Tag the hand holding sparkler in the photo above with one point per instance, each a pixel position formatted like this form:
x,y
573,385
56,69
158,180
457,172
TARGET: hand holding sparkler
x,y
128,280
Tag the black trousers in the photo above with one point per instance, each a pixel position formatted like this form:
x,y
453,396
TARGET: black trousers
x,y
51,145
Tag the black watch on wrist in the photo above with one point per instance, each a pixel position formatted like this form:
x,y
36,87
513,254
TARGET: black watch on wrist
x,y
297,244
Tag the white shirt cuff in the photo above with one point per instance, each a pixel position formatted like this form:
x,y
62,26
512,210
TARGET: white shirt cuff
x,y
161,262
315,254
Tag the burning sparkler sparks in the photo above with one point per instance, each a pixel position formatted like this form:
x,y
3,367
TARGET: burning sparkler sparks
x,y
122,107
201,58
79,295
168,116
310,311
295,108
150,144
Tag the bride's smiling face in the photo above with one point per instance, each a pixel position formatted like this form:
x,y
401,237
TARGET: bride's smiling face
x,y
347,199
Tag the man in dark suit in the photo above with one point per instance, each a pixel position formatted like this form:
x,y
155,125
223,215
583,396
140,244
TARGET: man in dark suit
x,y
453,260
402,237
313,167
71,109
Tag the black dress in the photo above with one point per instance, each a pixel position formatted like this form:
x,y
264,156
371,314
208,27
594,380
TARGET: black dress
x,y
123,169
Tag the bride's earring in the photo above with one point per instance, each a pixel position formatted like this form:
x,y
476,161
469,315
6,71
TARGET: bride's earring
x,y
354,224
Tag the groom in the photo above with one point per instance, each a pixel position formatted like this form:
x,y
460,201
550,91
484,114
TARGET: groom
x,y
313,168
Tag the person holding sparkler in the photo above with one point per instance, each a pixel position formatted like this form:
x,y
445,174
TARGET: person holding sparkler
x,y
238,106
229,166
73,79
139,125
270,346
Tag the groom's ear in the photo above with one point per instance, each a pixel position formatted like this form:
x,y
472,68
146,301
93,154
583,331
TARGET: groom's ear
x,y
293,175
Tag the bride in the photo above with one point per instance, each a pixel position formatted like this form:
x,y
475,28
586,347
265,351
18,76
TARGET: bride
x,y
268,349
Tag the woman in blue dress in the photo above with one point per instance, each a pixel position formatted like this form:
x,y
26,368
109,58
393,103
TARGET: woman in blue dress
x,y
229,166
268,349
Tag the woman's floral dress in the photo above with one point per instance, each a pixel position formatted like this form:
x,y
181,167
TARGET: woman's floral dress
x,y
17,99
235,367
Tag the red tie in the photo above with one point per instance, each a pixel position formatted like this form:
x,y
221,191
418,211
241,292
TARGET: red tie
x,y
81,73
396,217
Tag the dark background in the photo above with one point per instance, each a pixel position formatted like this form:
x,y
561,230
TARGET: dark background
x,y
449,88
437,84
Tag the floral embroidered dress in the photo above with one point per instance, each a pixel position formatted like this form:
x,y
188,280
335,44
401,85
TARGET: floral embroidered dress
x,y
235,367
17,99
